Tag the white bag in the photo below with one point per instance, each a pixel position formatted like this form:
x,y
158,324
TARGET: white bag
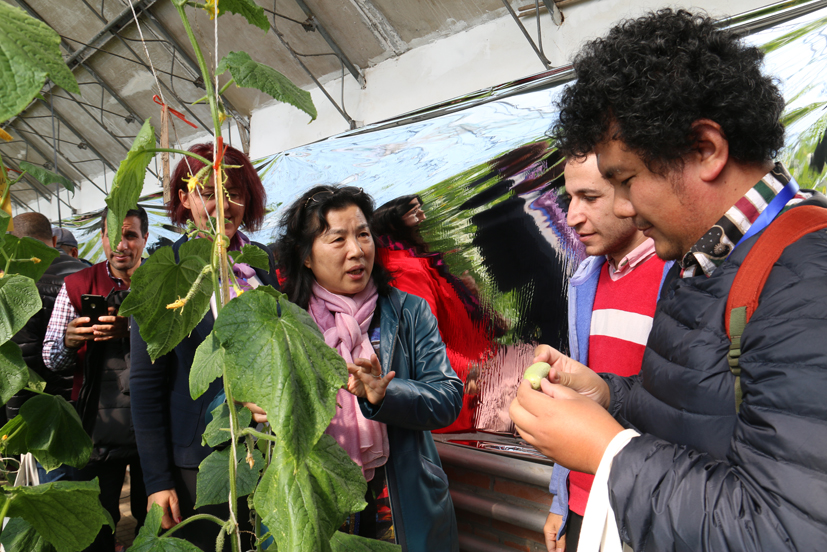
x,y
27,475
599,531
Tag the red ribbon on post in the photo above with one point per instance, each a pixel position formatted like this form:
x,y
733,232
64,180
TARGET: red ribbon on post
x,y
178,114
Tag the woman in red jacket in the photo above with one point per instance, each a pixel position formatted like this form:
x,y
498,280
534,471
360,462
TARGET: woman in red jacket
x,y
464,326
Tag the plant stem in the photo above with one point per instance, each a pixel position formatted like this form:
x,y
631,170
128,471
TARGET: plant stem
x,y
260,435
219,259
5,510
181,152
202,64
190,519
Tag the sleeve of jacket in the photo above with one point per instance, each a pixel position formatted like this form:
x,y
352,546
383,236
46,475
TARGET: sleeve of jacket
x,y
432,397
768,492
149,391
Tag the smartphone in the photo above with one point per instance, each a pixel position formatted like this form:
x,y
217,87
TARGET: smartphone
x,y
93,306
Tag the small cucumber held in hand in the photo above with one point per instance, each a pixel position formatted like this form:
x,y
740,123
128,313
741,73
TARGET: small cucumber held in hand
x,y
536,372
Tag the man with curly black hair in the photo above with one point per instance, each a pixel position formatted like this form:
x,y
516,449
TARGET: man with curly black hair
x,y
685,127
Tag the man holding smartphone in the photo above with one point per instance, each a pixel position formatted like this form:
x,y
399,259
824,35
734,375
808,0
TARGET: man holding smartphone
x,y
98,351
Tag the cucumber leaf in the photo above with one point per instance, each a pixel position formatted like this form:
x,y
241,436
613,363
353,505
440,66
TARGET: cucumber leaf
x,y
252,74
159,282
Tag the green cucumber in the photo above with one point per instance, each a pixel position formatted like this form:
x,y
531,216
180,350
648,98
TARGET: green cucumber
x,y
536,372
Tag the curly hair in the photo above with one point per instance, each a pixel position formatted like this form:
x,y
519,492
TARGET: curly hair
x,y
253,196
651,78
305,220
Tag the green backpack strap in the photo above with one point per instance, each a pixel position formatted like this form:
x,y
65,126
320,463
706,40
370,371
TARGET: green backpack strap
x,y
754,271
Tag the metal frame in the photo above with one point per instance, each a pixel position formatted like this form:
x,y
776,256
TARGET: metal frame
x,y
57,169
341,109
537,50
311,18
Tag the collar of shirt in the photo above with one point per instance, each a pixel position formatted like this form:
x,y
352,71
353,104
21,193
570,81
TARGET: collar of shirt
x,y
114,278
635,257
714,247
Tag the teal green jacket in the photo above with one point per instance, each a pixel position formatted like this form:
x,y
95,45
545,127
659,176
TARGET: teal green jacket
x,y
426,394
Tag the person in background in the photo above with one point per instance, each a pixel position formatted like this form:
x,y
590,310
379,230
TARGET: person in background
x,y
168,422
401,384
685,127
66,241
98,352
30,338
612,299
465,327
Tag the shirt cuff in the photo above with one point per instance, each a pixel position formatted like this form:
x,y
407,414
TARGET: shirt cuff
x,y
62,356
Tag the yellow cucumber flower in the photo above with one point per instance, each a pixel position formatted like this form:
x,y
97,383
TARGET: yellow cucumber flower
x,y
177,304
192,182
211,7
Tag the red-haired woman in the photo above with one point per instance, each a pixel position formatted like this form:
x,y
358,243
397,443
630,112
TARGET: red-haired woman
x,y
168,422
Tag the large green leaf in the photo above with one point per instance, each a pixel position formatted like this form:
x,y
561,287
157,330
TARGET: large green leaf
x,y
26,249
248,9
128,182
342,542
213,482
217,431
46,177
68,514
207,365
55,432
251,74
253,256
303,503
159,282
149,541
276,357
29,53
19,301
14,374
20,536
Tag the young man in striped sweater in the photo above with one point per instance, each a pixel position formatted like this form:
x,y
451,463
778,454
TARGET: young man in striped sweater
x,y
612,299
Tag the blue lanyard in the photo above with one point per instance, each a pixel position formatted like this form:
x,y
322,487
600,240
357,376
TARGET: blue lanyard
x,y
768,215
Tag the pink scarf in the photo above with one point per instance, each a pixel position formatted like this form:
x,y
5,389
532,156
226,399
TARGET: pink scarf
x,y
344,322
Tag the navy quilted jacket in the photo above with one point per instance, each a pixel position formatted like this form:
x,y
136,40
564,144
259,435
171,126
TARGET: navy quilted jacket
x,y
702,477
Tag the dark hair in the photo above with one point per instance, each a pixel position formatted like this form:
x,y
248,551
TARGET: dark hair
x,y
387,222
651,78
138,212
306,219
33,225
250,187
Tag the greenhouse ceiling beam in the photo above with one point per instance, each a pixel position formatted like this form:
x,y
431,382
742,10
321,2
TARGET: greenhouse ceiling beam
x,y
122,19
311,17
62,155
109,31
184,105
80,136
41,154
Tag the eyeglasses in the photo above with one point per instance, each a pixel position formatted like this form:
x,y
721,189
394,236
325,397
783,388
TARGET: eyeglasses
x,y
316,197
